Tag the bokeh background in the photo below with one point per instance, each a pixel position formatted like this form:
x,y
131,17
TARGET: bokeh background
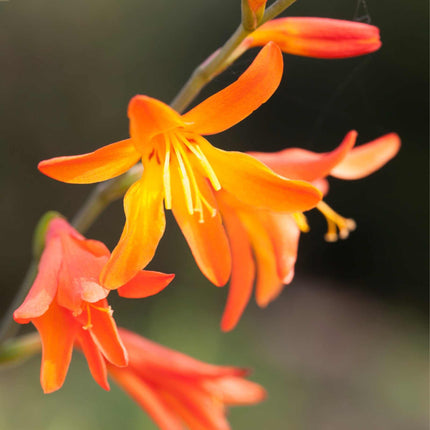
x,y
345,346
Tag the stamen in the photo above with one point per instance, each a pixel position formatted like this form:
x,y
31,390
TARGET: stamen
x,y
196,150
184,177
166,176
198,196
88,325
335,222
301,221
88,306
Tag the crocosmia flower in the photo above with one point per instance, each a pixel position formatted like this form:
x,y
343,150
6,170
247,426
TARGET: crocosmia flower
x,y
178,391
68,305
264,244
345,162
317,37
185,171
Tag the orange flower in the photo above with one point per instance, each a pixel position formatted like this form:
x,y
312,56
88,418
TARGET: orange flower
x,y
345,162
177,390
265,243
67,304
186,171
316,37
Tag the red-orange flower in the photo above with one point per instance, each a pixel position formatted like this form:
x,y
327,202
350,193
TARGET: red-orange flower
x,y
264,244
186,171
177,390
317,37
67,304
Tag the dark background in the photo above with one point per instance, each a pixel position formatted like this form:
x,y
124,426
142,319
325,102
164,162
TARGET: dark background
x,y
68,72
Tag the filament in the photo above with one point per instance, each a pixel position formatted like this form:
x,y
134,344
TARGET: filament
x,y
301,221
337,225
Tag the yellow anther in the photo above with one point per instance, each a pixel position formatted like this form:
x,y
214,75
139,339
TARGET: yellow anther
x,y
337,225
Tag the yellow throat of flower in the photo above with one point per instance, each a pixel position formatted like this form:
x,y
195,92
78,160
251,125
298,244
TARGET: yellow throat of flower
x,y
182,152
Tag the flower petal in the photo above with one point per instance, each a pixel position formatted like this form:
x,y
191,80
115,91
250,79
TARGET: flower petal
x,y
44,288
318,37
256,185
234,103
284,235
104,163
154,359
366,159
145,284
207,240
104,333
95,359
297,163
239,391
150,117
57,329
147,398
243,267
144,227
268,285
78,276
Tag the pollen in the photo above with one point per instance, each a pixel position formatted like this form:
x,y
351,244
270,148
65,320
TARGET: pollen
x,y
337,225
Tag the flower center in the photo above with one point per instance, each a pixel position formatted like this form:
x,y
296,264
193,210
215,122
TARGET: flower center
x,y
88,307
184,147
337,225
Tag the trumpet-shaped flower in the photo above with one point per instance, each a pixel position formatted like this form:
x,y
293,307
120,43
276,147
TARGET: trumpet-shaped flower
x,y
264,244
177,390
67,305
182,168
316,37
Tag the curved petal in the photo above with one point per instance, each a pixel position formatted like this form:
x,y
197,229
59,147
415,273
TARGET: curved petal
x,y
104,333
207,240
318,37
297,163
150,117
234,103
144,227
95,359
44,287
256,185
284,235
145,284
367,158
57,329
104,163
268,285
146,397
243,267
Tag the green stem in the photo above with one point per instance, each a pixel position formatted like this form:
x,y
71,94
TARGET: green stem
x,y
217,62
102,195
276,9
8,326
207,70
15,350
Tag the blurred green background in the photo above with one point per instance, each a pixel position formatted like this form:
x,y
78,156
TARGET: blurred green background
x,y
345,346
